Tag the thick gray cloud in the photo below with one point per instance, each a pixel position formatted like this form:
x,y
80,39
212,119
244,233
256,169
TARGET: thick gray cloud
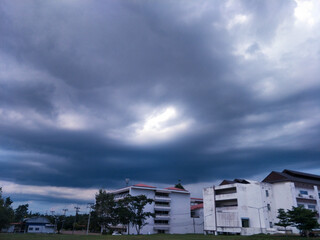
x,y
93,92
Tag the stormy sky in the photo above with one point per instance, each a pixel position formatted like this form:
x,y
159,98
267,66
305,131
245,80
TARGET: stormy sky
x,y
93,92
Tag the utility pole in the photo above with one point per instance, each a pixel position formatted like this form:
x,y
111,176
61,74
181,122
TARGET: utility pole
x,y
64,214
90,206
75,218
64,211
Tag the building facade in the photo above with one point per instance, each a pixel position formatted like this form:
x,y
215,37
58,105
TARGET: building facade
x,y
38,225
250,207
171,207
197,215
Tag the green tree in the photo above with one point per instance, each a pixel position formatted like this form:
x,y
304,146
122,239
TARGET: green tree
x,y
6,211
303,219
284,220
139,217
105,209
125,212
21,212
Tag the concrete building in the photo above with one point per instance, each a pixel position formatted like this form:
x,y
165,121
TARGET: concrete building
x,y
250,207
235,207
292,188
171,207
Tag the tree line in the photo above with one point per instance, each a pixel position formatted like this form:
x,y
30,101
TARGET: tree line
x,y
106,213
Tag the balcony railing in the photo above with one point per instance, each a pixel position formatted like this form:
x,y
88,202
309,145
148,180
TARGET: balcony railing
x,y
164,207
306,196
162,216
164,226
227,209
162,198
227,196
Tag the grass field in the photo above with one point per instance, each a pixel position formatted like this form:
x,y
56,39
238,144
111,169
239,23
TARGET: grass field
x,y
4,236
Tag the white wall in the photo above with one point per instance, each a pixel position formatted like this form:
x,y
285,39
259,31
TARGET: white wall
x,y
39,229
180,214
209,209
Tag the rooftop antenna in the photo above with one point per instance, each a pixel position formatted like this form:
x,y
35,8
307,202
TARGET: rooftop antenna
x,y
127,182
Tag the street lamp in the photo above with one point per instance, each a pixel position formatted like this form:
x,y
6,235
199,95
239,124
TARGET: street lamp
x,y
258,208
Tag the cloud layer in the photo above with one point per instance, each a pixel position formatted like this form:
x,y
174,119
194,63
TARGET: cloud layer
x,y
95,92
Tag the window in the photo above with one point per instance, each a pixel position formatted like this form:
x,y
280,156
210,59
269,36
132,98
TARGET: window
x,y
267,193
160,194
312,207
300,205
161,222
37,229
162,213
245,222
193,214
164,204
303,192
271,224
268,207
319,194
30,228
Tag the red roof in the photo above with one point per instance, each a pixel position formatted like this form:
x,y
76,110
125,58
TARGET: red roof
x,y
197,198
198,206
176,189
143,185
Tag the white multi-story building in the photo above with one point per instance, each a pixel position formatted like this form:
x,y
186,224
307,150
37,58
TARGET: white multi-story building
x,y
235,207
292,188
171,207
250,207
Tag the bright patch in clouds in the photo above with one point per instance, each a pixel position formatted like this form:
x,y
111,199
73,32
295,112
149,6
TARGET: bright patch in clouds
x,y
307,11
157,121
71,121
237,20
160,125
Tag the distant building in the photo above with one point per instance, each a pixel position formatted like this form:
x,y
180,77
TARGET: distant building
x,y
197,215
38,225
195,201
250,207
171,207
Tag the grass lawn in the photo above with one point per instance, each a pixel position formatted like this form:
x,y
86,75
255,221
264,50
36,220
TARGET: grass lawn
x,y
29,236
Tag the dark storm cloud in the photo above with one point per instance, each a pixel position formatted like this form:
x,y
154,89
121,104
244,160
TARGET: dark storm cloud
x,y
79,76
